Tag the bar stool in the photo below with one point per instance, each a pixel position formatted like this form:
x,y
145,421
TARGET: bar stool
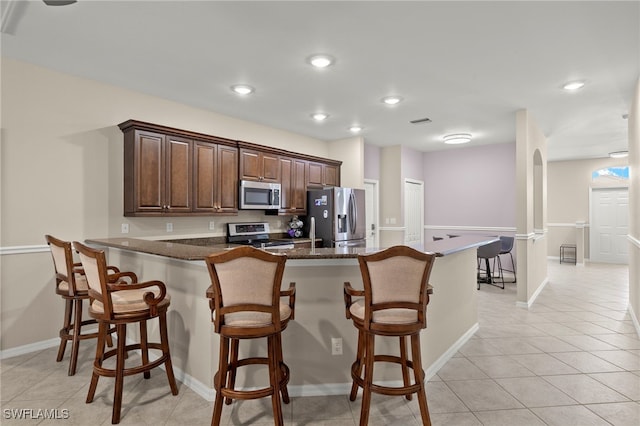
x,y
393,303
120,304
71,285
244,298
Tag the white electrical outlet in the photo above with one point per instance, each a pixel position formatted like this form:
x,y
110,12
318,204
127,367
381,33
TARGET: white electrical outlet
x,y
169,227
336,346
211,226
125,228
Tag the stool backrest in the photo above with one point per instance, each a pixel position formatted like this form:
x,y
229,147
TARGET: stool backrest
x,y
94,263
506,243
62,262
246,279
396,278
489,251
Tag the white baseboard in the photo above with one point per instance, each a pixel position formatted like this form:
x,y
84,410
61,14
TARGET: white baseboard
x,y
31,347
534,296
634,319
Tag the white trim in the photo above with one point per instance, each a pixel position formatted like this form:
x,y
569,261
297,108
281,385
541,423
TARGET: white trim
x,y
632,314
23,249
534,296
393,228
376,214
31,347
472,228
529,236
568,225
633,240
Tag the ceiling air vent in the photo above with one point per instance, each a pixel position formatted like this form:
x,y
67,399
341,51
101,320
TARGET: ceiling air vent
x,y
421,120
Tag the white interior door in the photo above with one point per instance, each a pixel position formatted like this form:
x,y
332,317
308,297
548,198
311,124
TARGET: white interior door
x,y
371,211
413,211
609,225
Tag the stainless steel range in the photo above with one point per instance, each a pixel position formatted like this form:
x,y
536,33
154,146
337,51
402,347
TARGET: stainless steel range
x,y
255,234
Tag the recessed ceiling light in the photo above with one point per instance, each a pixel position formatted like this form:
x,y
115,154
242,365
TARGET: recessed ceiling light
x,y
619,154
355,129
573,85
319,116
457,138
391,100
321,61
242,89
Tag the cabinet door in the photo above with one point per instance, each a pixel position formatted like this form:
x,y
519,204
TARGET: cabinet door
x,y
204,177
177,175
314,174
299,187
331,175
250,165
286,183
227,179
148,167
270,167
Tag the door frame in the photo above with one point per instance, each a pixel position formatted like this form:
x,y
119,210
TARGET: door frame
x,y
375,184
406,210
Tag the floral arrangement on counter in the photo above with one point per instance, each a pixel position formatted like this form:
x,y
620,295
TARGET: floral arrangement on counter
x,y
295,227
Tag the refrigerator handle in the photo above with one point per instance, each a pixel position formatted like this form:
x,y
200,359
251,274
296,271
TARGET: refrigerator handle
x,y
353,213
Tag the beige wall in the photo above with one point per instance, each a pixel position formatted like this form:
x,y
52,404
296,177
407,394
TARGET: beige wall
x,y
569,187
351,152
634,206
531,242
391,190
62,159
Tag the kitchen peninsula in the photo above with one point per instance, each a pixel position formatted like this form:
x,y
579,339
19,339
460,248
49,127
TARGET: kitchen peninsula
x,y
319,274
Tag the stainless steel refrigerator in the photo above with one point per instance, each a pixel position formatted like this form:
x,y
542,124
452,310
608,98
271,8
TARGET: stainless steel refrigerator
x,y
339,216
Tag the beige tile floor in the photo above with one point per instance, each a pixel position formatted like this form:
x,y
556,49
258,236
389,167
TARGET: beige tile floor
x,y
572,359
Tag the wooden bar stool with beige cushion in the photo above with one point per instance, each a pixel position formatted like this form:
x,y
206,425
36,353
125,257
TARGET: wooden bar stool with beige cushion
x,y
71,285
120,304
244,297
393,303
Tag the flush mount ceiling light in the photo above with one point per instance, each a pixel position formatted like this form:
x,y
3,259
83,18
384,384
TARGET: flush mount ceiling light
x,y
391,100
355,129
573,85
242,89
457,138
619,154
58,2
319,116
321,61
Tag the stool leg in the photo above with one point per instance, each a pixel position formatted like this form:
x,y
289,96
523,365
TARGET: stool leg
x,y
97,362
281,370
117,392
221,376
233,367
144,348
369,340
274,378
418,373
405,369
164,343
68,308
357,366
75,341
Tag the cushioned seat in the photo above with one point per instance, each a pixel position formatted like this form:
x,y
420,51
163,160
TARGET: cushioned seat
x,y
71,285
393,304
118,304
244,298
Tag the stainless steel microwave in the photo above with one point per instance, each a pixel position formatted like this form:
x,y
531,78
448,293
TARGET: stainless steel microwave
x,y
259,195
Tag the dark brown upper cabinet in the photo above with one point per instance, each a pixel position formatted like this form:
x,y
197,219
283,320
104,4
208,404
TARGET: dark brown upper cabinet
x,y
323,174
259,165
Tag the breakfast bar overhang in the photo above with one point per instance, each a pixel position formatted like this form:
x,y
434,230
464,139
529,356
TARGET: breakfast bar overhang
x,y
319,274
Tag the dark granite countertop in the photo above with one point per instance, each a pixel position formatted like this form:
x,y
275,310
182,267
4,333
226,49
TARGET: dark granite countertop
x,y
197,250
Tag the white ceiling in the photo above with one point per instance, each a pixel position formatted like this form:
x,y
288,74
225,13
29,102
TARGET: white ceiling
x,y
468,66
